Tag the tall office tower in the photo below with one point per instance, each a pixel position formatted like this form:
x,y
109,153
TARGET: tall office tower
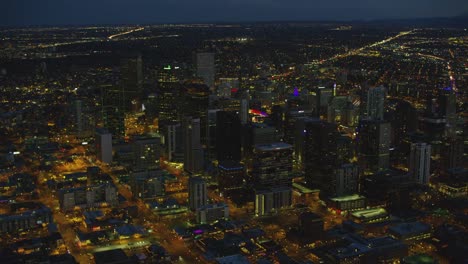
x,y
349,116
197,193
210,132
205,63
173,142
345,149
447,108
403,118
193,152
290,119
132,81
347,179
375,103
231,175
168,95
226,85
255,134
244,111
335,108
196,104
112,113
272,165
319,98
228,135
77,117
420,162
373,139
231,104
146,151
271,177
452,154
446,102
316,150
103,146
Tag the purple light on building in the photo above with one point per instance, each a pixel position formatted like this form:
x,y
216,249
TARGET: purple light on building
x,y
296,91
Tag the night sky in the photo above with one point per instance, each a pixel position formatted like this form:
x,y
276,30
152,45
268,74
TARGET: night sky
x,y
75,12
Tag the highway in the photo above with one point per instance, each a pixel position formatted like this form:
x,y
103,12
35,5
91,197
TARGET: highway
x,y
125,33
373,45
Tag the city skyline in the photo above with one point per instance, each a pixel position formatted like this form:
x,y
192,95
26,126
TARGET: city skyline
x,y
256,142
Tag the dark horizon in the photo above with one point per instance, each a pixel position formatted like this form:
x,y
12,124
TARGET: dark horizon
x,y
407,21
24,13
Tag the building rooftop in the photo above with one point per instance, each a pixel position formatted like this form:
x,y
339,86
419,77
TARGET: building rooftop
x,y
230,165
405,229
347,198
303,189
369,213
273,146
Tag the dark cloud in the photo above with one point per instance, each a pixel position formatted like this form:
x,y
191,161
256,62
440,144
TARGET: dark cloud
x,y
50,12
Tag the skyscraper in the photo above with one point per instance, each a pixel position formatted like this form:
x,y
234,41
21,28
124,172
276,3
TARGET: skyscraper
x,y
420,162
244,111
316,147
197,193
347,179
375,103
147,153
112,110
272,165
193,152
231,175
173,142
205,63
228,135
132,80
103,146
272,180
373,139
210,132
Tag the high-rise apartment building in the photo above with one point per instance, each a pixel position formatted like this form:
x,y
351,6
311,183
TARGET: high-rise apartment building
x,y
420,162
103,146
197,193
193,151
